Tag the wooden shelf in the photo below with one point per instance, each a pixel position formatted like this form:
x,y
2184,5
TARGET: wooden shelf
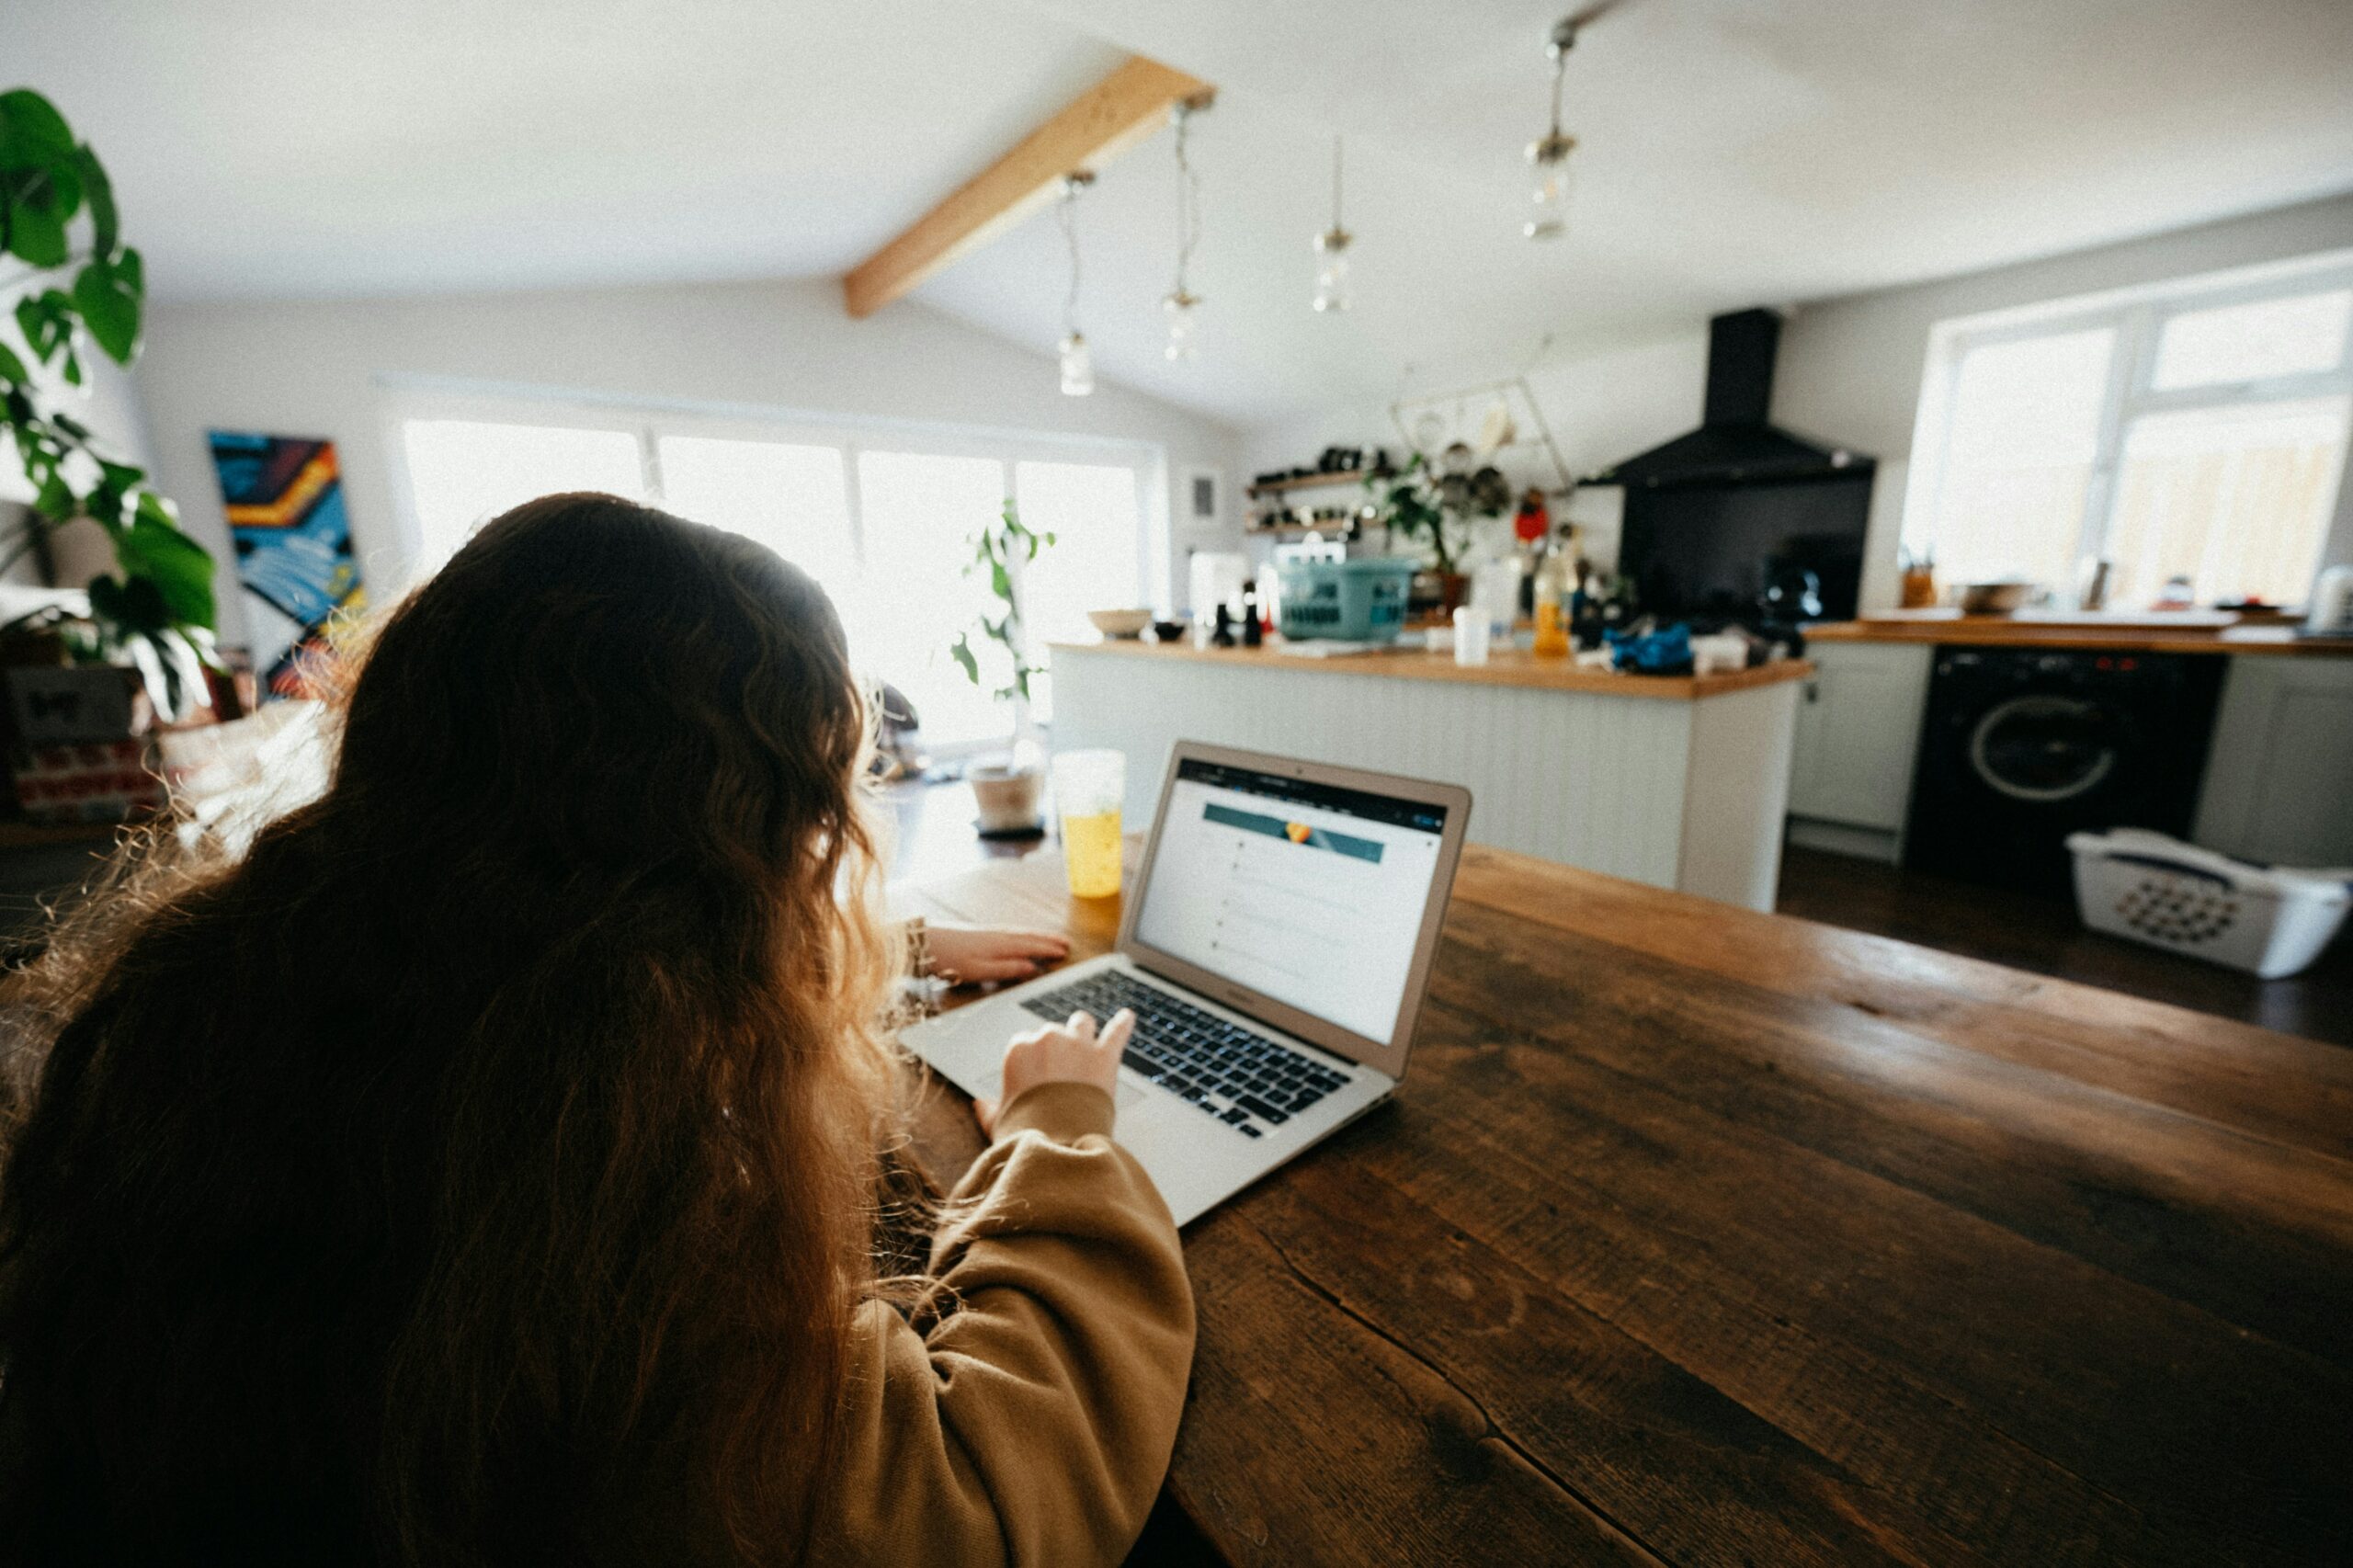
x,y
1309,482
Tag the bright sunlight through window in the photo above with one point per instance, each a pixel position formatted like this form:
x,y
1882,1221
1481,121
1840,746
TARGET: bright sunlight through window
x,y
885,530
2197,435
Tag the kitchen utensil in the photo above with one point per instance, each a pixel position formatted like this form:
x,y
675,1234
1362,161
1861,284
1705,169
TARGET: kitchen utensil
x,y
1994,598
1497,430
1123,624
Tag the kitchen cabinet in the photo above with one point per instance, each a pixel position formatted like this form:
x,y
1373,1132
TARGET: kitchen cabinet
x,y
2279,780
1859,730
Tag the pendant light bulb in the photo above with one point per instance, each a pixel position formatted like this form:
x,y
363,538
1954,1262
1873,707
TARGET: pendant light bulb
x,y
1332,270
1077,366
1183,311
1073,359
1332,251
1548,160
1548,156
1180,306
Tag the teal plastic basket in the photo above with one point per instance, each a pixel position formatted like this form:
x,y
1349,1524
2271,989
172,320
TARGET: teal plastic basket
x,y
1354,601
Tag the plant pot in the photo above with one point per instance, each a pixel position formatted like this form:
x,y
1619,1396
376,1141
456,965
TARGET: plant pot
x,y
1007,797
1441,593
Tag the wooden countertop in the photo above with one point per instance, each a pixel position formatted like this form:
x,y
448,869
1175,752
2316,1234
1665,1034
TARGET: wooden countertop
x,y
1693,1234
1505,666
2195,632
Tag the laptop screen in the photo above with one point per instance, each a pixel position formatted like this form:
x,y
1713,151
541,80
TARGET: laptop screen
x,y
1308,893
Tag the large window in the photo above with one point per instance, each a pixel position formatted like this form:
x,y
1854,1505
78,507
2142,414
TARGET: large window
x,y
882,520
2192,433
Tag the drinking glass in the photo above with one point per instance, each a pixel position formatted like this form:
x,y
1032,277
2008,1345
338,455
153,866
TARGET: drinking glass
x,y
1088,785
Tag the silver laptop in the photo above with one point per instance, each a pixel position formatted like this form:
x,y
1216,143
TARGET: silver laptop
x,y
1275,946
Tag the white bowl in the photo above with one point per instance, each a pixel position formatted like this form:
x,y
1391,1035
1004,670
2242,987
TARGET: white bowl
x,y
1122,623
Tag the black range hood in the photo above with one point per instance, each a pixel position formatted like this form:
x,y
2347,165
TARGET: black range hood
x,y
1735,444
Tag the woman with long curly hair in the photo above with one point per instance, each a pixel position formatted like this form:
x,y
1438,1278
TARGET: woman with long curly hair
x,y
492,1164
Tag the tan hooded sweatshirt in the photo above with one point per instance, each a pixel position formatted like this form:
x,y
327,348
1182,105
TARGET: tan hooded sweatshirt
x,y
1034,1423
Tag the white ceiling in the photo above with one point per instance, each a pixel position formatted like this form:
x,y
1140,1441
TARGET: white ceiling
x,y
1734,153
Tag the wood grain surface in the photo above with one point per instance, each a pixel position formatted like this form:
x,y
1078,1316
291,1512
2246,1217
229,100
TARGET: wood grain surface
x,y
2182,634
1700,1236
1504,666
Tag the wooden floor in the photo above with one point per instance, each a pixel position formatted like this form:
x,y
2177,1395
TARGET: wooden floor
x,y
2044,936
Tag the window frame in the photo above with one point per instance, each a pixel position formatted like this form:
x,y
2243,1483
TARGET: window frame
x,y
2137,317
404,400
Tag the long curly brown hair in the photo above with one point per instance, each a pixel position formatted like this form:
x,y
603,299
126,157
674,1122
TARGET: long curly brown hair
x,y
481,1169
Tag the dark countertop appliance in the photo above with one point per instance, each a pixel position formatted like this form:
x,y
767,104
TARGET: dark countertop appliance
x,y
1740,522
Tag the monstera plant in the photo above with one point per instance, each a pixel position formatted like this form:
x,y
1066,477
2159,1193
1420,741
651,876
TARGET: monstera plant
x,y
77,288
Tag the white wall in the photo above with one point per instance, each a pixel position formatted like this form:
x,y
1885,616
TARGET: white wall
x,y
1601,406
311,368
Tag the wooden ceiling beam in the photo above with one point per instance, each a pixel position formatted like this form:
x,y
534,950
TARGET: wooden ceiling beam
x,y
1115,114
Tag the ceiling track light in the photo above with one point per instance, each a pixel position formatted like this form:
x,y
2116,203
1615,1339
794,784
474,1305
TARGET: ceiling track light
x,y
1073,358
1548,156
1331,250
1181,305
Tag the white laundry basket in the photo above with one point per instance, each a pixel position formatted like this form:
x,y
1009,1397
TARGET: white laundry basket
x,y
2148,888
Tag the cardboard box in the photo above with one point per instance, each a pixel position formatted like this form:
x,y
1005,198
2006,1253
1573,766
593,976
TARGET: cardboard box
x,y
61,704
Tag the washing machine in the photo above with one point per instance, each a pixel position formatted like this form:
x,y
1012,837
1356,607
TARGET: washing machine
x,y
2021,747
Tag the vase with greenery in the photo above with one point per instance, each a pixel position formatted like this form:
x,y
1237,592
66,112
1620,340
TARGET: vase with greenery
x,y
77,287
1007,791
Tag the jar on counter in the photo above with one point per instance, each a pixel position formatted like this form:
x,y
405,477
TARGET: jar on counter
x,y
1555,582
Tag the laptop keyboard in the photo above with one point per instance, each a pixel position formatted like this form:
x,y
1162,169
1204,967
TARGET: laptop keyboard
x,y
1240,1078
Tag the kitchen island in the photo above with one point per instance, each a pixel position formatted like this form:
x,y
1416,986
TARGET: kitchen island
x,y
1676,781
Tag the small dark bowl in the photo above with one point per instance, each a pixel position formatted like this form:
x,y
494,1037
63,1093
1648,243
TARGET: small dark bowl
x,y
1169,630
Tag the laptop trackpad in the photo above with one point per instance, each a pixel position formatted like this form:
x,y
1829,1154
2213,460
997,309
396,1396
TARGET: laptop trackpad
x,y
1128,1096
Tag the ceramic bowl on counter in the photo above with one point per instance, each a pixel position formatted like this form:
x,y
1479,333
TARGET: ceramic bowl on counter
x,y
1120,623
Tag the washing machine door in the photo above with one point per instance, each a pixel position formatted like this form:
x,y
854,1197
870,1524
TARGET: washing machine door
x,y
2045,747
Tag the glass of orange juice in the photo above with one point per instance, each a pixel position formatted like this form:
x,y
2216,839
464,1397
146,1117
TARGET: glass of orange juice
x,y
1088,785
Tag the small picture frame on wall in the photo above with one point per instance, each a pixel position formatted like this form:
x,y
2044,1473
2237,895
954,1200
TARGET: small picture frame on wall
x,y
1202,502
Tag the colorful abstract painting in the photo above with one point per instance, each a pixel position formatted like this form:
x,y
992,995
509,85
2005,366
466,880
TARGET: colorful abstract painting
x,y
284,499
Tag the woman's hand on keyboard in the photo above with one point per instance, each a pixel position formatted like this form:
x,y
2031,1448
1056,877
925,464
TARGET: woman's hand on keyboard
x,y
967,956
1075,1052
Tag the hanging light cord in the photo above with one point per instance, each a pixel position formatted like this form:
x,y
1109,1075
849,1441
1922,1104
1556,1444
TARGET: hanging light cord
x,y
1560,69
1070,237
1335,184
1188,200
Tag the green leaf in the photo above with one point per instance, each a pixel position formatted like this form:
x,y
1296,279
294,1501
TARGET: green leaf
x,y
98,191
999,582
12,369
107,296
36,223
32,131
161,560
54,499
47,321
961,651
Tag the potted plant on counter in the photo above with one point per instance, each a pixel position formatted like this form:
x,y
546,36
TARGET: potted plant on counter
x,y
1006,788
78,287
1437,511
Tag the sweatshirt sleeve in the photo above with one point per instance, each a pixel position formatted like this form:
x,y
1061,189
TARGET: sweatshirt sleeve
x,y
1033,1422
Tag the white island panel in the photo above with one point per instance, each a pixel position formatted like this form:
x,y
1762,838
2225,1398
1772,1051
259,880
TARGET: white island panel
x,y
1673,794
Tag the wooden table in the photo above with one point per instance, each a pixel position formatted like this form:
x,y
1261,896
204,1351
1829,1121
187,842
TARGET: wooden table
x,y
1698,1235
